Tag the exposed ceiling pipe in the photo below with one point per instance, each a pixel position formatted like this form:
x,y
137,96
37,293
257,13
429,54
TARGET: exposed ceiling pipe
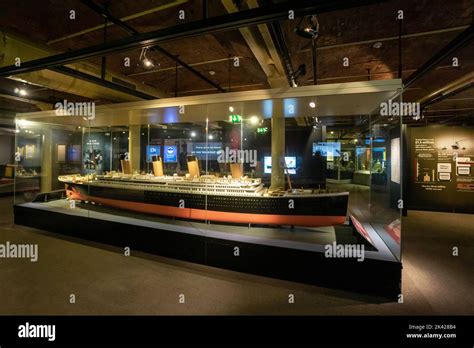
x,y
13,45
448,90
192,29
282,49
459,41
127,28
390,38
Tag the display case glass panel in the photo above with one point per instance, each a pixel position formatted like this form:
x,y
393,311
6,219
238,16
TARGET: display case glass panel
x,y
285,172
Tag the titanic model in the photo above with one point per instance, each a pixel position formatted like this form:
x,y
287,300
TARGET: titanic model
x,y
231,199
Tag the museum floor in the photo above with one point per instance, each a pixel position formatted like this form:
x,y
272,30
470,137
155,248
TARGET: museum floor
x,y
106,282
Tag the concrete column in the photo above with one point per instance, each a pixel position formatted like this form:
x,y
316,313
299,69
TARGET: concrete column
x,y
278,153
47,160
134,147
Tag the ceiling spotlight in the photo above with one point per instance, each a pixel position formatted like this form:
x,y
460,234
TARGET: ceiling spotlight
x,y
193,134
312,104
23,92
147,63
377,45
231,108
212,72
16,90
332,132
309,29
211,137
254,120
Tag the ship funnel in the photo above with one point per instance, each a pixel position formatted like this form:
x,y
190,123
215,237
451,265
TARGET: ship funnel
x,y
158,166
193,167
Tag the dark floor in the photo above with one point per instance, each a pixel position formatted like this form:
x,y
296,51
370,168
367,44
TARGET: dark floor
x,y
106,282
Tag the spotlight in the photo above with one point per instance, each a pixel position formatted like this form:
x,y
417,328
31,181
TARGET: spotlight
x,y
16,90
377,45
23,92
193,134
231,108
309,29
212,72
254,120
332,132
147,63
211,137
312,104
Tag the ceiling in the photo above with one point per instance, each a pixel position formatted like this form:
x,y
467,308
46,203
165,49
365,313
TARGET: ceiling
x,y
428,26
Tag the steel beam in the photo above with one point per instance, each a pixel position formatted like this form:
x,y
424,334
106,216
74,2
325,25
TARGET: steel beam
x,y
102,82
459,41
188,30
439,97
130,30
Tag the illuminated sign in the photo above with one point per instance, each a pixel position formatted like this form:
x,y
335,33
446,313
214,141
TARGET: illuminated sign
x,y
235,118
152,150
171,154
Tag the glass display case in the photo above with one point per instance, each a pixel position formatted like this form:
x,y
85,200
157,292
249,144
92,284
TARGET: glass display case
x,y
271,172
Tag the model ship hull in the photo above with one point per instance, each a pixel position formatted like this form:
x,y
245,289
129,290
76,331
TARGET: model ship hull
x,y
310,210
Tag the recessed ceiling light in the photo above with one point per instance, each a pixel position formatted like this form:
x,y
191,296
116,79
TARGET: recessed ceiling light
x,y
254,120
231,108
312,104
378,44
212,72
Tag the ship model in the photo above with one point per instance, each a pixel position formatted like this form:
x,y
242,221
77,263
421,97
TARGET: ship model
x,y
231,199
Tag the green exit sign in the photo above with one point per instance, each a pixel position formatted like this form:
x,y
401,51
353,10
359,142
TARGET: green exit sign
x,y
262,130
235,118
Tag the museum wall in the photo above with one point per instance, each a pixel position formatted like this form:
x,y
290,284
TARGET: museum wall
x,y
6,146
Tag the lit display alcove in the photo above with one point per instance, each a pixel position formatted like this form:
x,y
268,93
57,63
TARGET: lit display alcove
x,y
308,177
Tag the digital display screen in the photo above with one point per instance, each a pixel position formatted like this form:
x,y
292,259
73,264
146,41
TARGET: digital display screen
x,y
290,164
152,150
327,149
200,149
171,154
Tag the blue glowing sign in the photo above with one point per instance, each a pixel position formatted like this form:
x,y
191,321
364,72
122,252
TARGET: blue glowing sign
x,y
171,154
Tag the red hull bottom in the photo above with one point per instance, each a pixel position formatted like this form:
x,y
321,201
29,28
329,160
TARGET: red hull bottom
x,y
211,215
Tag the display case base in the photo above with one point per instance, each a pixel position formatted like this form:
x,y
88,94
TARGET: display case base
x,y
223,246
